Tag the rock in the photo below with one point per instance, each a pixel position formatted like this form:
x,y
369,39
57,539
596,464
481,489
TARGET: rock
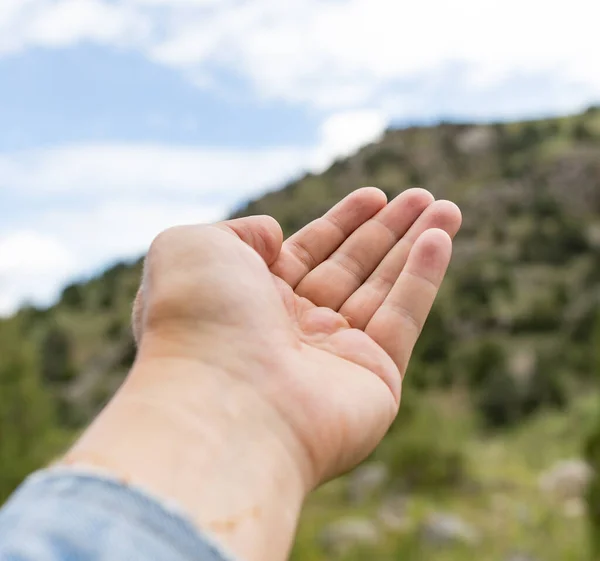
x,y
343,535
441,528
520,557
566,480
476,140
593,235
523,513
522,364
575,508
366,480
500,503
393,514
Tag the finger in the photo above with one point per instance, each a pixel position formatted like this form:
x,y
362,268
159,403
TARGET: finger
x,y
365,301
332,282
261,233
397,324
309,247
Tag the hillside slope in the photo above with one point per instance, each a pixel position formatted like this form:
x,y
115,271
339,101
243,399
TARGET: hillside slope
x,y
513,332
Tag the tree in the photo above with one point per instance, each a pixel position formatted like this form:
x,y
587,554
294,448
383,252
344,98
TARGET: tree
x,y
73,296
581,132
592,454
57,365
424,448
28,435
482,362
593,494
546,386
499,400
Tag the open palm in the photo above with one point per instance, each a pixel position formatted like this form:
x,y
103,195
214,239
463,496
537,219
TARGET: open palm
x,y
358,285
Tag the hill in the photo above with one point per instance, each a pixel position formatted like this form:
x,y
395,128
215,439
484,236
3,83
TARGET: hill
x,y
504,377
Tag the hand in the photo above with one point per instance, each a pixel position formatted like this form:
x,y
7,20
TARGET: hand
x,y
264,369
325,346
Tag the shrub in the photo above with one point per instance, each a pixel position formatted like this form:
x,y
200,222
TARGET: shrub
x,y
581,132
56,356
545,387
483,361
436,339
424,447
528,136
592,454
543,315
381,158
498,401
116,329
423,461
28,433
73,296
109,285
128,353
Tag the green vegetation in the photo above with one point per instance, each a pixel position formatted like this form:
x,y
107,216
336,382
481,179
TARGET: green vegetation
x,y
504,380
499,497
592,454
28,432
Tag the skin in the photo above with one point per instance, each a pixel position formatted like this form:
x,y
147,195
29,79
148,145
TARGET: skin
x,y
266,367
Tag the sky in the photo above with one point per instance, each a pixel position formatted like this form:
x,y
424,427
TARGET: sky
x,y
120,118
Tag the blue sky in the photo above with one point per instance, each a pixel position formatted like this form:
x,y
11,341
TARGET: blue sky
x,y
119,118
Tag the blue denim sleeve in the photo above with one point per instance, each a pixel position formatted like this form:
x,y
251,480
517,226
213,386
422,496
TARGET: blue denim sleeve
x,y
65,515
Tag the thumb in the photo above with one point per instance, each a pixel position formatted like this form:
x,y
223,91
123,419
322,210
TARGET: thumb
x,y
261,233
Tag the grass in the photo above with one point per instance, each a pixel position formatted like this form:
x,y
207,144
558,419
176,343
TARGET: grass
x,y
505,504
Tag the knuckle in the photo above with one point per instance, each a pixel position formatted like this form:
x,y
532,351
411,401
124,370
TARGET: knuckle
x,y
165,239
408,316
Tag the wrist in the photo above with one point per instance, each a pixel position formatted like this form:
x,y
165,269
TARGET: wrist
x,y
195,435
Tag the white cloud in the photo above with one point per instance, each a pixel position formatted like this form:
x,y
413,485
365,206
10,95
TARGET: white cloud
x,y
122,196
35,265
61,23
28,251
152,169
337,54
329,54
10,9
121,229
344,133
69,21
195,3
147,169
32,266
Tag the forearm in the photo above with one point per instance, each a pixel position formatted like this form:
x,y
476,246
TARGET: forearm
x,y
192,437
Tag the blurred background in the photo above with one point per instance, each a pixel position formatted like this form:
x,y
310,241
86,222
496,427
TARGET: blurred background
x,y
119,118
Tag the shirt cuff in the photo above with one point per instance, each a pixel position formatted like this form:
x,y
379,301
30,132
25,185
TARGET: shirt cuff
x,y
70,513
